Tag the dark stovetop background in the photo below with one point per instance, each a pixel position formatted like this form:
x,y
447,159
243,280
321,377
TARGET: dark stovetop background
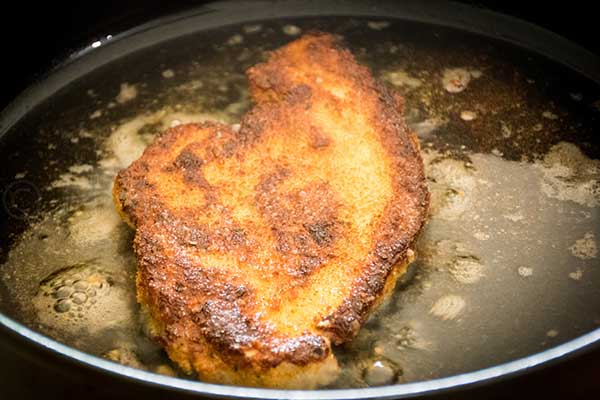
x,y
34,36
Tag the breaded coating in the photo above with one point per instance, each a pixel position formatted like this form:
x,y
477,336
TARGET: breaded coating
x,y
261,247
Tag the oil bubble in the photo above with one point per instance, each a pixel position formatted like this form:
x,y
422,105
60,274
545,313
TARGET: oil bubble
x,y
381,372
62,306
62,292
79,297
80,285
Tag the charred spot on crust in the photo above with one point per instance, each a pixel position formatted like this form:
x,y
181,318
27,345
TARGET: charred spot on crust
x,y
196,178
238,236
228,148
301,221
252,126
308,264
191,165
389,251
179,287
321,232
305,348
268,184
187,160
318,139
224,324
299,94
192,235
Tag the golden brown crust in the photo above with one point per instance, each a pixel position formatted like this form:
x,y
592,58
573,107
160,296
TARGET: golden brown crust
x,y
259,247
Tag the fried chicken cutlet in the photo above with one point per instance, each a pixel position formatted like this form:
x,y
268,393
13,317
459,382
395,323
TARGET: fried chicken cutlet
x,y
260,247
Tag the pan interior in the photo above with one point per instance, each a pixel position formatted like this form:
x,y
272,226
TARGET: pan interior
x,y
506,267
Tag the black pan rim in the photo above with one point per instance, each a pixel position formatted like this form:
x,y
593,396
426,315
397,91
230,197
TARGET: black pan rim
x,y
213,15
496,373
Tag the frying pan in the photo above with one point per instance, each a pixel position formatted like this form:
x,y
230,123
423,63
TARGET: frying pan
x,y
507,277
